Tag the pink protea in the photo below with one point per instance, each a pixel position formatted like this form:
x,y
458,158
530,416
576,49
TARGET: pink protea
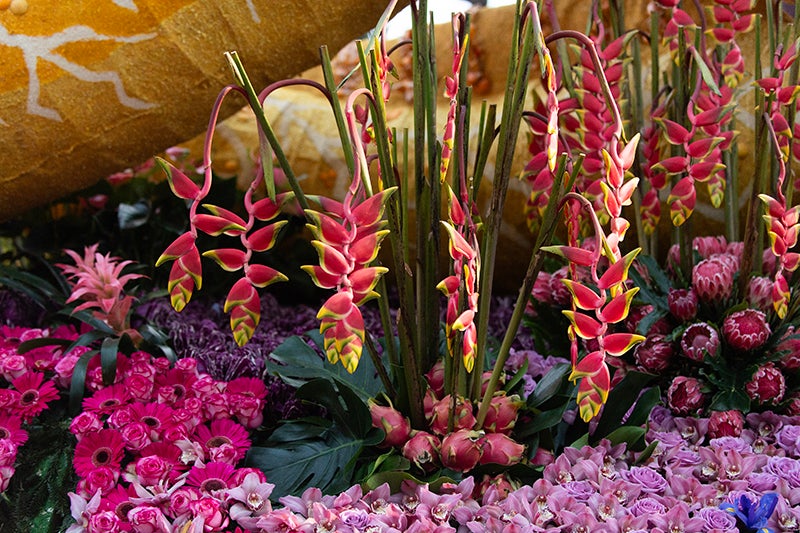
x,y
461,450
710,245
793,405
685,395
712,279
759,293
746,329
699,339
682,304
767,385
654,354
423,450
392,422
725,424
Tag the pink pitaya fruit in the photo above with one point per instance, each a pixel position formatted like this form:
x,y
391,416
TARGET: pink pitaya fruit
x,y
502,413
685,395
767,385
392,422
699,339
423,449
461,450
435,377
746,329
464,419
712,279
654,354
501,450
682,304
725,424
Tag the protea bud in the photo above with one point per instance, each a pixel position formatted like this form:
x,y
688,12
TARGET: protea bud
x,y
461,450
699,339
423,450
501,449
502,413
682,304
654,354
712,279
392,422
725,424
793,405
684,396
746,330
767,385
707,246
463,419
759,293
790,346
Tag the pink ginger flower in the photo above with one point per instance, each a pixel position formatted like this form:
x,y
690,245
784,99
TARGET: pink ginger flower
x,y
746,330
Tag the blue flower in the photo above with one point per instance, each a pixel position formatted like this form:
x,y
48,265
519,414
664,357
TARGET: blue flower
x,y
751,512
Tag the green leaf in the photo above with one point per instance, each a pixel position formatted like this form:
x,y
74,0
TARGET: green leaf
x,y
628,434
541,421
108,359
31,344
657,274
77,385
735,399
620,400
517,377
549,385
296,363
644,405
346,408
649,319
646,453
708,77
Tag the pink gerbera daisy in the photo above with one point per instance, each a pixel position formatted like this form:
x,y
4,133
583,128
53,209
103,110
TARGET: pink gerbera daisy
x,y
100,448
107,400
10,428
223,431
247,387
211,477
119,501
180,383
153,415
33,394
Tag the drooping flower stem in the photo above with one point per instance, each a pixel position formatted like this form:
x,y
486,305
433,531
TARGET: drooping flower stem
x,y
534,266
513,101
330,84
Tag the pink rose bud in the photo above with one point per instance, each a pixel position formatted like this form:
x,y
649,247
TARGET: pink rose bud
x,y
461,450
767,386
463,419
392,422
501,450
725,424
698,340
654,354
684,396
146,519
435,377
502,413
712,279
423,450
746,329
682,304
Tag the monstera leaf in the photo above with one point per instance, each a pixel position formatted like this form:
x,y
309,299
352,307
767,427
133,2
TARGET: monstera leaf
x,y
316,452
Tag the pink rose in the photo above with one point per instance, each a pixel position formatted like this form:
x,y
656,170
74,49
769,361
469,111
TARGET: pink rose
x,y
136,436
101,478
224,453
8,452
85,422
248,410
210,509
140,387
13,366
216,406
146,519
180,500
152,469
121,417
66,365
104,522
187,365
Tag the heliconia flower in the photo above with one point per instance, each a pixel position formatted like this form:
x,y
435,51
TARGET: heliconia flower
x,y
685,395
181,185
746,329
452,83
698,340
423,450
392,422
767,385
